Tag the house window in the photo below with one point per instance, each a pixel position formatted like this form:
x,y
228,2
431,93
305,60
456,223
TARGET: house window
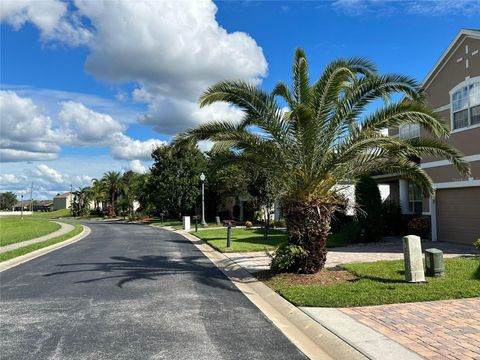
x,y
409,131
465,99
415,199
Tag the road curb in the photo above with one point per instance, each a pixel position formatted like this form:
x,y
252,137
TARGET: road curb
x,y
8,264
310,337
369,342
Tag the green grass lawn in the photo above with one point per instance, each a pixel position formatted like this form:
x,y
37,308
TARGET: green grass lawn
x,y
52,214
380,282
175,223
14,229
26,249
245,240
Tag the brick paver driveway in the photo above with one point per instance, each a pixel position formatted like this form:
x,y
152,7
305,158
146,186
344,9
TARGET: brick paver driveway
x,y
447,329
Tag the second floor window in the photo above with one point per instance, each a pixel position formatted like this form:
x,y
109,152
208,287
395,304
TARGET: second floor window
x,y
409,131
466,104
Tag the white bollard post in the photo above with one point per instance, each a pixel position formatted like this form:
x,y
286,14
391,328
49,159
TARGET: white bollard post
x,y
412,255
186,223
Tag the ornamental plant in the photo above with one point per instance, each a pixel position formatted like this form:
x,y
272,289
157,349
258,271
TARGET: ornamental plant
x,y
322,136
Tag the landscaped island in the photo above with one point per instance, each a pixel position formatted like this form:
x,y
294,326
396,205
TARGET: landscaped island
x,y
376,283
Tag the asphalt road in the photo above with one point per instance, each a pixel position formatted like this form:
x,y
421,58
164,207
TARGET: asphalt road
x,y
131,292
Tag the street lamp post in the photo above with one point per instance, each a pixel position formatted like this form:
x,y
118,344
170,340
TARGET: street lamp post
x,y
202,179
21,206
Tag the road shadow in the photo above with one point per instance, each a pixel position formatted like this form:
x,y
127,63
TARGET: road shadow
x,y
147,267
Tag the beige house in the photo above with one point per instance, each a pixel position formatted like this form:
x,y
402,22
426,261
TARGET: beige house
x,y
62,201
453,91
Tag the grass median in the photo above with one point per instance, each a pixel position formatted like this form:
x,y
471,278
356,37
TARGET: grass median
x,y
376,283
27,249
15,230
246,240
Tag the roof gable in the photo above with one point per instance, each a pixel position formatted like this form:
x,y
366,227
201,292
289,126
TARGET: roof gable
x,y
462,34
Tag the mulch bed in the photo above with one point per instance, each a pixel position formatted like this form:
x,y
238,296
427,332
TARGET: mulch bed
x,y
336,275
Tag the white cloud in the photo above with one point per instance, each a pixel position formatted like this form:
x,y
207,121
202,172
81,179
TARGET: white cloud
x,y
51,101
420,7
83,126
27,133
18,176
180,50
138,167
48,174
124,147
50,16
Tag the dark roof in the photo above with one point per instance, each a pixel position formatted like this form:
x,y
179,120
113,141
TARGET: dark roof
x,y
64,195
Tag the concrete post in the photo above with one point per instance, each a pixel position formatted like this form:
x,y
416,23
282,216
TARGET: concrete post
x,y
412,255
186,223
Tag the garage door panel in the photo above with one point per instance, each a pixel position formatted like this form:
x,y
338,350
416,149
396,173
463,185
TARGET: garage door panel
x,y
458,215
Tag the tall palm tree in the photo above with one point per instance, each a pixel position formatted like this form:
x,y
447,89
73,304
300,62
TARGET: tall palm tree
x,y
112,180
327,137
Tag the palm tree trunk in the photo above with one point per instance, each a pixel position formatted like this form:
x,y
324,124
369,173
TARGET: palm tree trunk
x,y
113,203
308,225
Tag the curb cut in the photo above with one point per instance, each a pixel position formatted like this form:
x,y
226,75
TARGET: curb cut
x,y
309,336
8,264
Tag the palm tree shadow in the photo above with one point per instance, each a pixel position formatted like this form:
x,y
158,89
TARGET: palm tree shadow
x,y
148,267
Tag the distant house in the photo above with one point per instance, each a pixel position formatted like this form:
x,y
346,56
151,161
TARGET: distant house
x,y
453,92
62,201
25,204
43,205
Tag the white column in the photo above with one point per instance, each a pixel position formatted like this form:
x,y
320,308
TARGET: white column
x,y
403,190
433,216
186,223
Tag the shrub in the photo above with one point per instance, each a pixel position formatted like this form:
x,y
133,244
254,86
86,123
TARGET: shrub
x,y
280,223
286,257
369,201
248,224
350,232
419,226
477,244
392,218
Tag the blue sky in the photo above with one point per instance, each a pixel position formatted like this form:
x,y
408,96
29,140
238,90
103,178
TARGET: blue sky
x,y
84,91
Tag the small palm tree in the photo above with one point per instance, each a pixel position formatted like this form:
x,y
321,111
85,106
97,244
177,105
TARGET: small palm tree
x,y
98,192
324,139
112,181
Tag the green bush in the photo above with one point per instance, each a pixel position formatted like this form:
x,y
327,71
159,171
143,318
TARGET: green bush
x,y
477,244
419,226
370,204
280,223
392,218
286,256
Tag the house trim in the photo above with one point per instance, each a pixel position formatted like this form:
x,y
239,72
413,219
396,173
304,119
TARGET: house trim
x,y
468,33
439,163
456,184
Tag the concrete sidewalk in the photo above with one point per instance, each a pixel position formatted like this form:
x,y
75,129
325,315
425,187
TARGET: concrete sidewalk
x,y
64,229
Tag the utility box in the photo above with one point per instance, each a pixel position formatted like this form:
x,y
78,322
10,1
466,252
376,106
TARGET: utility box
x,y
434,263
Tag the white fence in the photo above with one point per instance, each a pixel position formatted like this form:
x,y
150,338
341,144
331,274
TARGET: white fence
x,y
14,213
